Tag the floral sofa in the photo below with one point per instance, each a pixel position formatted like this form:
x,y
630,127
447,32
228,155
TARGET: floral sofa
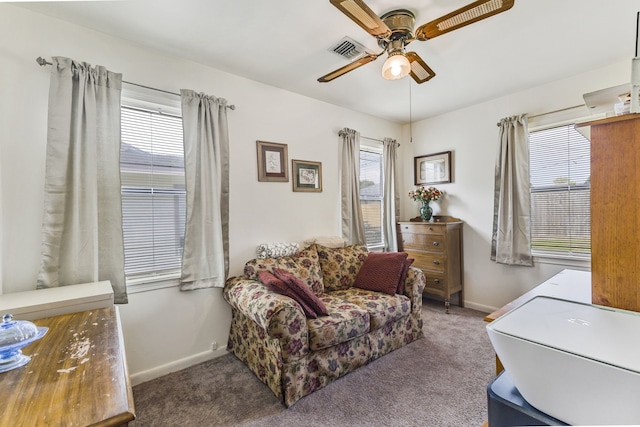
x,y
295,355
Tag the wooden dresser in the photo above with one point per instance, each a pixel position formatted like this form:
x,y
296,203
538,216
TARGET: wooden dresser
x,y
437,249
77,375
615,211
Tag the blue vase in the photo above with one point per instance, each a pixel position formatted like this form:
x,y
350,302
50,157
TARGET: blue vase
x,y
425,211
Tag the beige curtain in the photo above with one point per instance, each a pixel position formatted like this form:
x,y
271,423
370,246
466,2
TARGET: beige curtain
x,y
352,222
82,225
391,197
205,260
511,240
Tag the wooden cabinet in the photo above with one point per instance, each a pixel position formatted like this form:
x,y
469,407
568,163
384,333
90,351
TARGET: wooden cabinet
x,y
77,375
615,211
437,249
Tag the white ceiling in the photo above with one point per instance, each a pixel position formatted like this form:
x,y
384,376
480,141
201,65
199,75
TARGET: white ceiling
x,y
284,43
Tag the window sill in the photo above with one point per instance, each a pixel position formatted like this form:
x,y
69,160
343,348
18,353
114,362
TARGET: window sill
x,y
581,263
152,283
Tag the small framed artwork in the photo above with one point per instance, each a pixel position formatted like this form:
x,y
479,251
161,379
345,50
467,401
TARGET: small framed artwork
x,y
307,176
432,168
272,162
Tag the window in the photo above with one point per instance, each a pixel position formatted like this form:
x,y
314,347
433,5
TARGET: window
x,y
560,191
153,193
371,195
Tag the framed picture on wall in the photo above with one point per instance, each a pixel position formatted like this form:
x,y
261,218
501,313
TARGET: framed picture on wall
x,y
272,162
432,168
307,176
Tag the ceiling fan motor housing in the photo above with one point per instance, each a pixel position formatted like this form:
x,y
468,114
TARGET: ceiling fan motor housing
x,y
401,23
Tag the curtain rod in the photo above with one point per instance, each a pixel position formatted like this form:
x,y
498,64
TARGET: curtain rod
x,y
40,60
375,139
552,112
558,111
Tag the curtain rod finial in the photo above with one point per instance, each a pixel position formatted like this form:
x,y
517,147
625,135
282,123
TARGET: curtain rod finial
x,y
40,60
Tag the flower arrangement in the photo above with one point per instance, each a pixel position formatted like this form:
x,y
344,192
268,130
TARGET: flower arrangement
x,y
426,194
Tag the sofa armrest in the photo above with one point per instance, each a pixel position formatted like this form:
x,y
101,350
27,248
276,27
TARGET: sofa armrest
x,y
415,283
279,316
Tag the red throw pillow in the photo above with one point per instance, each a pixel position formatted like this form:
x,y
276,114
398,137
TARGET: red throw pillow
x,y
381,272
403,275
302,290
276,285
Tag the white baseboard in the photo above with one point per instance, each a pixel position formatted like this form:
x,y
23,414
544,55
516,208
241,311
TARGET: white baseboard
x,y
468,304
176,365
480,307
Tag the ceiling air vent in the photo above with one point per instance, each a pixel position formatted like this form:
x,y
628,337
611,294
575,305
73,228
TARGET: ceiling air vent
x,y
349,49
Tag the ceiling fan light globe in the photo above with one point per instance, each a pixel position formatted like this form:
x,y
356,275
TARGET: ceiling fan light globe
x,y
396,67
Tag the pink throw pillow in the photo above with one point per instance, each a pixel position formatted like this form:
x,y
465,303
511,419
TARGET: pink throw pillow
x,y
381,272
276,285
302,290
403,276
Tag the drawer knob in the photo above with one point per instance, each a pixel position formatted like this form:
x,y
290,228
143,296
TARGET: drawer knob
x,y
436,244
430,228
436,281
436,262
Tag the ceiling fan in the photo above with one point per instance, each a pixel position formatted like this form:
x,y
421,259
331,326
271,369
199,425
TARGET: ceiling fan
x,y
395,30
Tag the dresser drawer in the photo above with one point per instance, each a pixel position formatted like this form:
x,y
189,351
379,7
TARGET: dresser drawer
x,y
428,261
423,242
435,281
422,228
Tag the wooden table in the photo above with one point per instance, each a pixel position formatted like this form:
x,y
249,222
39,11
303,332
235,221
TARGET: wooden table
x,y
77,375
573,285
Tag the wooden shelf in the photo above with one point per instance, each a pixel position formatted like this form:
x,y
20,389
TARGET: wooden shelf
x,y
615,204
613,119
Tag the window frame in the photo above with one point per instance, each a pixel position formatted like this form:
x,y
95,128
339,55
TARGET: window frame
x,y
548,121
375,149
142,98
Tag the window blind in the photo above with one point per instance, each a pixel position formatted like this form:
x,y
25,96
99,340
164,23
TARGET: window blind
x,y
371,196
153,192
560,191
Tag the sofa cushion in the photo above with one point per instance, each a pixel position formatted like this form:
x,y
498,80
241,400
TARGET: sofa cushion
x,y
345,322
381,272
279,286
340,266
403,276
305,265
382,308
302,291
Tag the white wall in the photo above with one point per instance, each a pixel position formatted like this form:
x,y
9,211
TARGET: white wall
x,y
471,133
164,329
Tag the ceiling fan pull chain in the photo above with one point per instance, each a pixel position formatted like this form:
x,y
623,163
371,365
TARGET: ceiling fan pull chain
x,y
410,120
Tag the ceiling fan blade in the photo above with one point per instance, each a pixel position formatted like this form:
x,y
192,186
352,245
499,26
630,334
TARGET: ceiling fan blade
x,y
420,71
466,15
349,67
360,13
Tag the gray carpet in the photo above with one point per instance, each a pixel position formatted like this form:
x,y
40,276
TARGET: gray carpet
x,y
439,380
